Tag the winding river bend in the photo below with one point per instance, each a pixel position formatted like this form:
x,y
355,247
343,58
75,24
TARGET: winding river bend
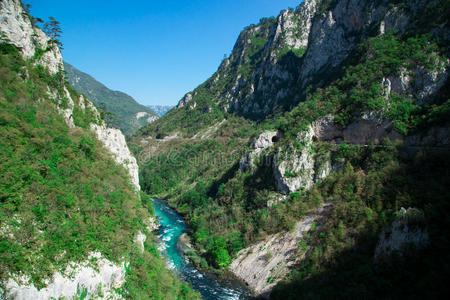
x,y
172,226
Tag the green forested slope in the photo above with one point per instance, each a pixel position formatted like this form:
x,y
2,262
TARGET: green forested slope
x,y
228,207
116,102
57,203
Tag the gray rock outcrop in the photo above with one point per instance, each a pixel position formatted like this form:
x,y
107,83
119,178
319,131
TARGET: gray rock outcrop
x,y
104,277
17,29
262,265
275,62
406,234
115,142
265,140
298,166
101,280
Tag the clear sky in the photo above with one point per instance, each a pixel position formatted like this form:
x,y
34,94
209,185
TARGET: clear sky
x,y
155,51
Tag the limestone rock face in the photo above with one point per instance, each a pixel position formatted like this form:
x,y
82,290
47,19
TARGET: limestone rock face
x,y
102,281
115,142
325,130
286,39
300,167
68,112
262,265
293,27
276,62
185,100
370,127
263,142
276,44
420,84
335,32
16,28
149,119
296,167
406,234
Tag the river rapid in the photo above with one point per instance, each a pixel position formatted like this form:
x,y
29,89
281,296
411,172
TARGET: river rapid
x,y
172,227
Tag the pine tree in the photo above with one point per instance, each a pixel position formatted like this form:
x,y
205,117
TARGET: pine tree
x,y
53,29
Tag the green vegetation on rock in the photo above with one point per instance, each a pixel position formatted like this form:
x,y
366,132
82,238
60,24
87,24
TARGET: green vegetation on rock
x,y
229,208
365,198
57,203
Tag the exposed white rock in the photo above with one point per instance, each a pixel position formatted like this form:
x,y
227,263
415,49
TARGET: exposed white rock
x,y
382,27
103,281
301,168
325,130
264,141
185,100
327,37
420,84
371,126
209,132
406,234
294,168
170,137
151,119
82,102
401,84
114,141
427,83
386,85
293,27
395,20
16,28
153,224
67,112
141,114
290,32
65,105
331,38
329,44
140,240
262,265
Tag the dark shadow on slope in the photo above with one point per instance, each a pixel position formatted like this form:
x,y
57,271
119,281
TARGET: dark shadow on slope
x,y
261,181
353,273
290,63
230,173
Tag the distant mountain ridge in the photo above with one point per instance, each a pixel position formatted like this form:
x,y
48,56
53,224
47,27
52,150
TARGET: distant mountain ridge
x,y
160,109
131,114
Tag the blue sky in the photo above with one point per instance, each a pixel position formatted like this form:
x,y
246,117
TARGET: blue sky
x,y
155,51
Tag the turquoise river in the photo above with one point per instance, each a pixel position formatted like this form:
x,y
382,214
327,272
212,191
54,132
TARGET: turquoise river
x,y
172,226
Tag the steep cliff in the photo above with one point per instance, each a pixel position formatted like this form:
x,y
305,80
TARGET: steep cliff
x,y
114,140
277,63
338,102
18,30
67,228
